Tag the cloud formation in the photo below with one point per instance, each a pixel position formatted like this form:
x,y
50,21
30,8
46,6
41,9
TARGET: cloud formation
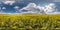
x,y
17,7
3,7
9,2
50,8
32,7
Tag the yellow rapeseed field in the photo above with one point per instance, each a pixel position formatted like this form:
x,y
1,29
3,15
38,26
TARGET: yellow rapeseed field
x,y
29,21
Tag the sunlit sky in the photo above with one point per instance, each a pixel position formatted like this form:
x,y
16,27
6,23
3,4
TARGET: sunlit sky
x,y
30,6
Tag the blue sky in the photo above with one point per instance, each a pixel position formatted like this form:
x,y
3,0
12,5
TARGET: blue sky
x,y
23,6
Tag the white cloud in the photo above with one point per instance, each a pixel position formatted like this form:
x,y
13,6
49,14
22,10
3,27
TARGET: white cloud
x,y
33,8
9,2
3,7
17,7
50,8
29,6
38,9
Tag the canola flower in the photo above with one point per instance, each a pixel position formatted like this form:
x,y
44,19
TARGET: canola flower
x,y
29,21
